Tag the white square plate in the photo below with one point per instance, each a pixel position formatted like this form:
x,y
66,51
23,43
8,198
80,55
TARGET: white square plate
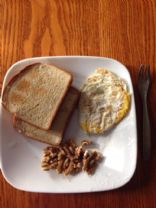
x,y
20,156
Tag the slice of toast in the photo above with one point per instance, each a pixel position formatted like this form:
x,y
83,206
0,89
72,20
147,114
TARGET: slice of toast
x,y
55,134
36,93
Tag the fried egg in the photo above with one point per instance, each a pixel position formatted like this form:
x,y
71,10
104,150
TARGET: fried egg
x,y
104,101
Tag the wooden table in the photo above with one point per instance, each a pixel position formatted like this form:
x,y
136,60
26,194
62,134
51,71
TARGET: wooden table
x,y
124,30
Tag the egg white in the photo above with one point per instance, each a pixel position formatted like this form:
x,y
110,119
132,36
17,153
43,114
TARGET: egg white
x,y
104,101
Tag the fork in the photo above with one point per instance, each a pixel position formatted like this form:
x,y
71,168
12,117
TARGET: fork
x,y
144,81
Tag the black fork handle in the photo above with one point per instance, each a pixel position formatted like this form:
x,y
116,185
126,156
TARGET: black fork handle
x,y
146,132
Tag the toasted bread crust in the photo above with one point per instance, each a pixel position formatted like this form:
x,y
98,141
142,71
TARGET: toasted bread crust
x,y
11,82
14,121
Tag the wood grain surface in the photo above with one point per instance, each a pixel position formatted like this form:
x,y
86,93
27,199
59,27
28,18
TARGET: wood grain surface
x,y
121,29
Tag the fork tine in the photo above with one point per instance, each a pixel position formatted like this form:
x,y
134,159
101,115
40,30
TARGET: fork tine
x,y
148,71
141,71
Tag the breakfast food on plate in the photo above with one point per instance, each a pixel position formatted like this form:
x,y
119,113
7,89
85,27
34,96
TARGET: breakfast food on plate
x,y
55,134
104,101
36,93
70,158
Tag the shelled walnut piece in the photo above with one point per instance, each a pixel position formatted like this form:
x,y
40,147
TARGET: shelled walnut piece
x,y
69,158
